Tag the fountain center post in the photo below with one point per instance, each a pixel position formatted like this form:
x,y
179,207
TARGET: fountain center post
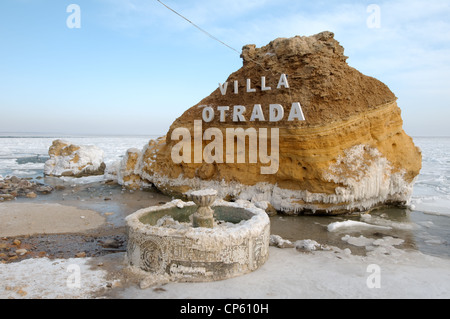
x,y
204,216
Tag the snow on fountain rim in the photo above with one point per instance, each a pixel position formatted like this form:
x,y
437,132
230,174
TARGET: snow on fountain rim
x,y
204,192
251,227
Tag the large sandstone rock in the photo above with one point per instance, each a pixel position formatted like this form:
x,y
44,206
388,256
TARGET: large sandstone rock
x,y
349,154
67,159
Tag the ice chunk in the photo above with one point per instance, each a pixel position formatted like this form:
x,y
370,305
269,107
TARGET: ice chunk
x,y
278,241
349,224
360,241
307,245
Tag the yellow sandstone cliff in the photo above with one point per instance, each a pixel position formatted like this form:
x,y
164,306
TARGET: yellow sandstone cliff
x,y
349,154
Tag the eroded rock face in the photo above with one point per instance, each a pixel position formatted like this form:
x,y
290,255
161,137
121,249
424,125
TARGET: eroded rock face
x,y
67,159
349,154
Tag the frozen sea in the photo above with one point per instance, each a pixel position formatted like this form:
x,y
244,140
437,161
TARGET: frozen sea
x,y
427,221
24,156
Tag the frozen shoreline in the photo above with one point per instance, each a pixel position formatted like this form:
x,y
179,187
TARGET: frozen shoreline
x,y
288,274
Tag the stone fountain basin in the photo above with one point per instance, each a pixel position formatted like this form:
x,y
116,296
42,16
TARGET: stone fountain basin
x,y
238,246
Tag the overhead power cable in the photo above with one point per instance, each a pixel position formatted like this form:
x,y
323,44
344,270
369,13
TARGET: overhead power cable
x,y
202,30
213,37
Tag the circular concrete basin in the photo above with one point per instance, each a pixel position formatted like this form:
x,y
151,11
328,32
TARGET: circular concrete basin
x,y
161,240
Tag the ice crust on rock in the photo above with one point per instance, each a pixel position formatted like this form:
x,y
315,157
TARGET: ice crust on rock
x,y
111,171
375,184
67,159
368,177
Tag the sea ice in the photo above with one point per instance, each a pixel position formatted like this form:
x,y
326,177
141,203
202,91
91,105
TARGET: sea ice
x,y
351,224
385,221
83,180
360,241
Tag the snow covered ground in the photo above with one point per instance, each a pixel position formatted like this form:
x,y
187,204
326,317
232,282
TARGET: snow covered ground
x,y
42,278
307,268
386,272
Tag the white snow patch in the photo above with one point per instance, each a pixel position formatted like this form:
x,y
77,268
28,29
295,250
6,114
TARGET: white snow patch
x,y
50,279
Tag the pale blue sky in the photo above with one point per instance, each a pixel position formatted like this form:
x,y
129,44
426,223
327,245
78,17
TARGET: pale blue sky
x,y
134,66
